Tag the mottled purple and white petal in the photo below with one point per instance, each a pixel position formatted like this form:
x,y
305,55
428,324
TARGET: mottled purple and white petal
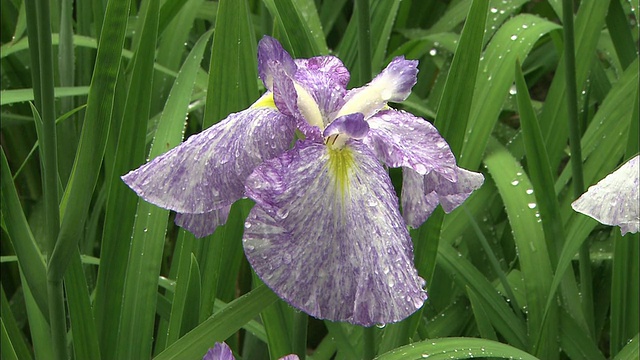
x,y
353,126
436,189
324,78
326,235
290,357
220,351
273,61
329,65
394,83
208,171
203,224
416,205
401,139
614,200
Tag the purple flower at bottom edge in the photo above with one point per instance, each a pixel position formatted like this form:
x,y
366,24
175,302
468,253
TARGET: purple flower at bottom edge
x,y
221,351
326,233
614,200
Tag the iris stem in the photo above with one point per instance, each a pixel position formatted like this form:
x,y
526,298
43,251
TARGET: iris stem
x,y
364,40
576,155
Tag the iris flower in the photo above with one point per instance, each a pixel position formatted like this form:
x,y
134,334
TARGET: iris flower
x,y
326,233
614,200
221,351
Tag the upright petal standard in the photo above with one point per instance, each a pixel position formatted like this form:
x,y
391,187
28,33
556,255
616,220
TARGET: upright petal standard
x,y
326,233
614,200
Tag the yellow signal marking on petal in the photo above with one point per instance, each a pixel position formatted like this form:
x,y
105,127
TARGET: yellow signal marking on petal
x,y
341,167
265,100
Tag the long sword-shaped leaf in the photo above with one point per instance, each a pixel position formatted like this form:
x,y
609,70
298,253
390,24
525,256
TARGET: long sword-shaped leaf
x,y
495,77
121,201
86,168
24,244
514,187
455,348
136,329
220,326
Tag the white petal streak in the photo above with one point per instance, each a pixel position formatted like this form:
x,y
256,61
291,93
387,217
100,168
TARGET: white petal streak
x,y
614,200
334,246
208,171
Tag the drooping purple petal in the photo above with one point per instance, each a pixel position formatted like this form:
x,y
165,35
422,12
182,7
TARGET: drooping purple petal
x,y
326,235
394,83
614,200
402,139
352,125
220,351
203,224
421,194
208,171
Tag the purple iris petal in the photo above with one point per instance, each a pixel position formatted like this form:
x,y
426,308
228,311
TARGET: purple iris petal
x,y
402,139
326,235
208,171
329,65
394,83
203,224
614,200
352,125
421,194
220,351
273,61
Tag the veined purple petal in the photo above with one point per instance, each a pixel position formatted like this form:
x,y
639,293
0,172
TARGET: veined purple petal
x,y
416,205
326,235
220,351
421,194
203,224
614,200
325,78
273,61
329,65
402,139
394,83
208,171
352,125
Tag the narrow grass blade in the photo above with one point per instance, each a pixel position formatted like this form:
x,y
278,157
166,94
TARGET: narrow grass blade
x,y
179,305
630,351
514,187
220,326
83,328
539,168
12,336
624,298
575,342
86,168
503,319
455,104
482,318
30,258
617,24
301,24
7,351
588,24
383,15
455,348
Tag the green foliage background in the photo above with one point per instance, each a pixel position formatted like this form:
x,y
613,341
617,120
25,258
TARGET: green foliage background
x,y
92,89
